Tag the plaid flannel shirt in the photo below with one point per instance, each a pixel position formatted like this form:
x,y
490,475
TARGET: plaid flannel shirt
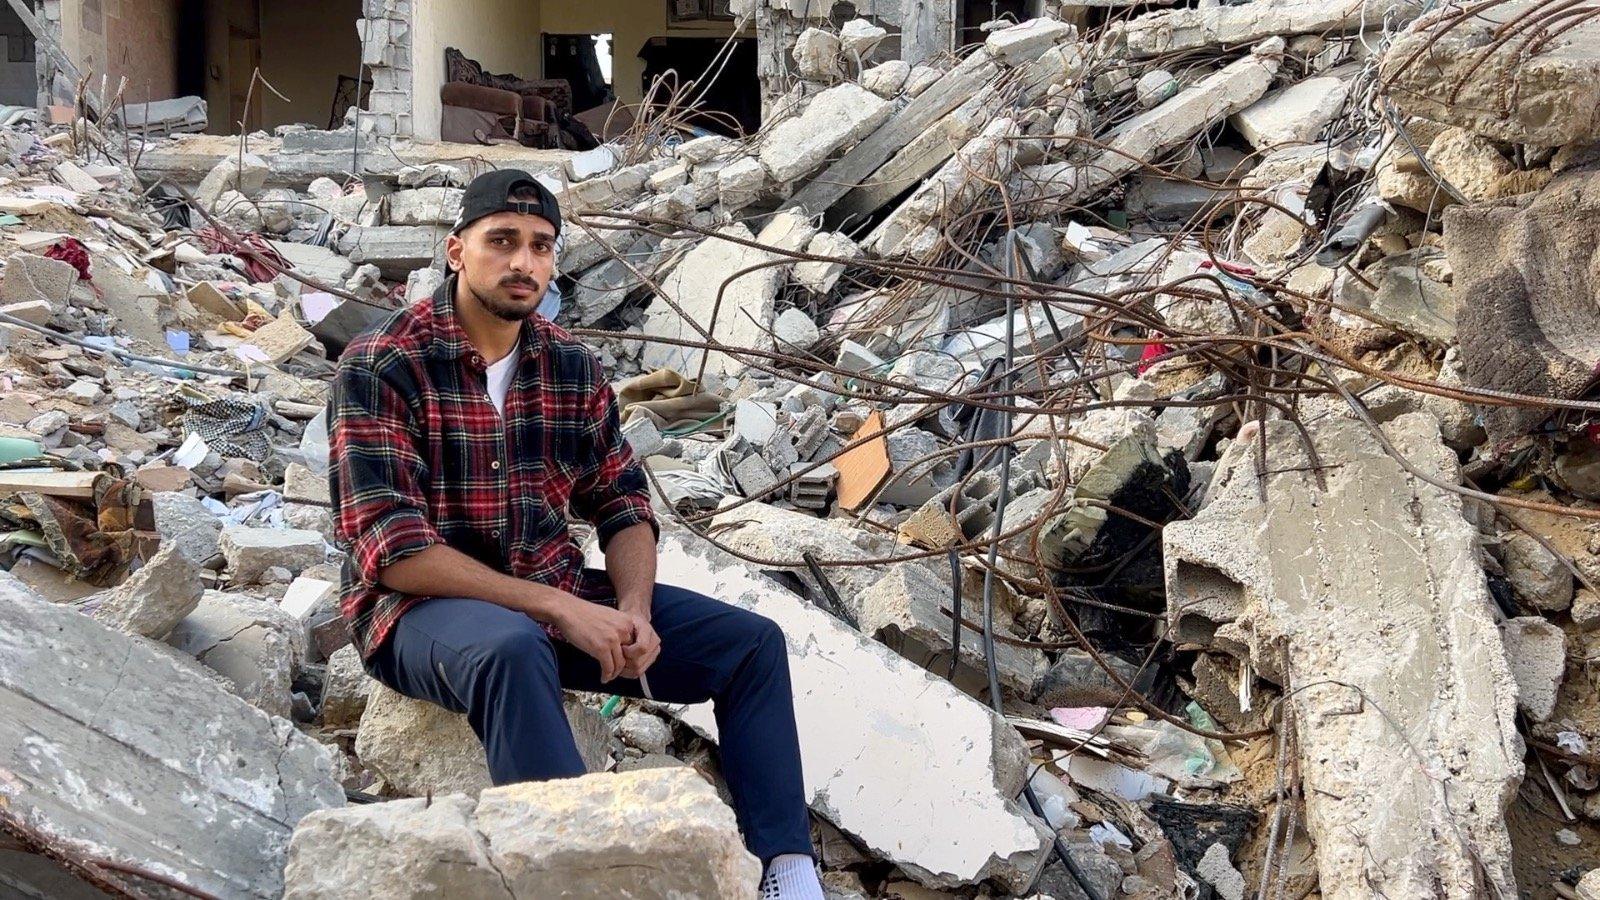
x,y
419,456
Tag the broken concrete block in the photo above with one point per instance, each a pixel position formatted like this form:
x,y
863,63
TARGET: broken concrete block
x,y
796,146
1469,162
1145,136
1368,598
250,550
310,602
643,436
819,276
1537,651
1155,87
793,331
248,641
1219,872
902,611
917,772
420,748
1538,577
816,54
740,182
1292,115
36,311
156,598
1187,29
1455,66
859,37
394,249
318,263
344,689
123,753
737,312
519,841
425,206
911,230
702,150
184,521
244,173
1524,275
30,278
754,476
644,731
1028,41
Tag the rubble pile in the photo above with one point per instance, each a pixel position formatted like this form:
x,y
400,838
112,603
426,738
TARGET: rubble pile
x,y
1166,437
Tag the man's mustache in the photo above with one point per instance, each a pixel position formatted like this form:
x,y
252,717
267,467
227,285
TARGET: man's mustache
x,y
520,281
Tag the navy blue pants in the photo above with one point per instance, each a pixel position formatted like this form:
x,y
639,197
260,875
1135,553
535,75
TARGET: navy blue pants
x,y
499,668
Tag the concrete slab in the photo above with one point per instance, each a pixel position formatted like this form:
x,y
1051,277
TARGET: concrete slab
x,y
1368,601
913,769
122,752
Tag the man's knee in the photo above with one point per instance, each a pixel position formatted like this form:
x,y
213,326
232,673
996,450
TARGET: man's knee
x,y
524,649
766,637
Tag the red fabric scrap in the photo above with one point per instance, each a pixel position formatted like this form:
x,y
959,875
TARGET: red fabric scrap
x,y
72,252
1152,351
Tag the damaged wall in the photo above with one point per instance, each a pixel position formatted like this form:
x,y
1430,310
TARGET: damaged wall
x,y
136,39
306,46
631,23
502,35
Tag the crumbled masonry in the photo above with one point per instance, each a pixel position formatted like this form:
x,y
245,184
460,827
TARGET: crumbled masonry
x,y
1168,437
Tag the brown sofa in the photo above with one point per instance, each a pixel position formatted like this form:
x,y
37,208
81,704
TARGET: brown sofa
x,y
481,107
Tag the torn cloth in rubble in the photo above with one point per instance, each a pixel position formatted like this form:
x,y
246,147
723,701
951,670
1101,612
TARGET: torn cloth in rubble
x,y
88,543
233,426
72,252
668,398
250,250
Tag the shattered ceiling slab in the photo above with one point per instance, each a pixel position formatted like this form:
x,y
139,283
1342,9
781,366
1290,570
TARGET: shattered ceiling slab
x,y
1367,602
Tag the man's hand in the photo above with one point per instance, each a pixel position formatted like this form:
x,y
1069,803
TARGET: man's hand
x,y
601,632
643,651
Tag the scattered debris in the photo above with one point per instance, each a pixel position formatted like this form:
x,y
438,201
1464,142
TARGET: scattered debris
x,y
1181,418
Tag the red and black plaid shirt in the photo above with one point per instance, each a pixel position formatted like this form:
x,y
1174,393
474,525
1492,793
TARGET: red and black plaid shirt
x,y
419,456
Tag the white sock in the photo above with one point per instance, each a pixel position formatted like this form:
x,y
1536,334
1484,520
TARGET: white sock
x,y
791,876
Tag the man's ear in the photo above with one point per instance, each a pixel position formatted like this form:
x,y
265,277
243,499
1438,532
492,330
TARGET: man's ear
x,y
453,247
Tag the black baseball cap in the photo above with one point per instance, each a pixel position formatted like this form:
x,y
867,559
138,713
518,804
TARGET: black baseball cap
x,y
486,195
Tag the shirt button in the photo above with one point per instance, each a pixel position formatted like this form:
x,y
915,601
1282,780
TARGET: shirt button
x,y
477,360
494,534
495,465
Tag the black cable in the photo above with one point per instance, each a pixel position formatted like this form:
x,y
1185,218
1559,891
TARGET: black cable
x,y
988,583
829,593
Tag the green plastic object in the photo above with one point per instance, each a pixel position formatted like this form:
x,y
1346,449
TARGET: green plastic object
x,y
13,449
609,708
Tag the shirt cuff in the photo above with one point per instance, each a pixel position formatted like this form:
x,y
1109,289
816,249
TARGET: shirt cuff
x,y
395,536
624,512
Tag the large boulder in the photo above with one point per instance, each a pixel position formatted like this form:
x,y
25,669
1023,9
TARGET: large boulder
x,y
659,834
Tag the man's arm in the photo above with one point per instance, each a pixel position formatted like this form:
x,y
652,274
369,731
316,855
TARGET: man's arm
x,y
631,563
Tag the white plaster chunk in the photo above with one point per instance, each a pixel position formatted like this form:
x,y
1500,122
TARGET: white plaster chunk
x,y
796,146
913,769
887,78
1025,42
1292,115
1537,651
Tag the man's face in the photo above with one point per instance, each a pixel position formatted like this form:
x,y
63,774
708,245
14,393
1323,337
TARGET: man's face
x,y
506,260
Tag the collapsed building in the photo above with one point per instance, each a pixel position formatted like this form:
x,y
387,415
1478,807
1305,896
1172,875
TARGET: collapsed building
x,y
1163,436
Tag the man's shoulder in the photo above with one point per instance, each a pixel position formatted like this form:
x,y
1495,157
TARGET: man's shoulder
x,y
566,351
402,337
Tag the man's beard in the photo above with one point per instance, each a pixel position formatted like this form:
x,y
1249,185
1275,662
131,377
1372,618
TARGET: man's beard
x,y
509,309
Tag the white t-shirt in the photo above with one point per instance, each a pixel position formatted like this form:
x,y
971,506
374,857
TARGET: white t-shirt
x,y
500,375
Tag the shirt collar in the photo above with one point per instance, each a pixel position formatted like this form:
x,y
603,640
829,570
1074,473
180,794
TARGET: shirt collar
x,y
450,341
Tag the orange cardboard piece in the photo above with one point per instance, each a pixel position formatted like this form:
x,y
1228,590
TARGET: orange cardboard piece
x,y
863,468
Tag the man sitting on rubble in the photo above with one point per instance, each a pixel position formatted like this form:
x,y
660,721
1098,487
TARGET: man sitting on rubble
x,y
463,429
